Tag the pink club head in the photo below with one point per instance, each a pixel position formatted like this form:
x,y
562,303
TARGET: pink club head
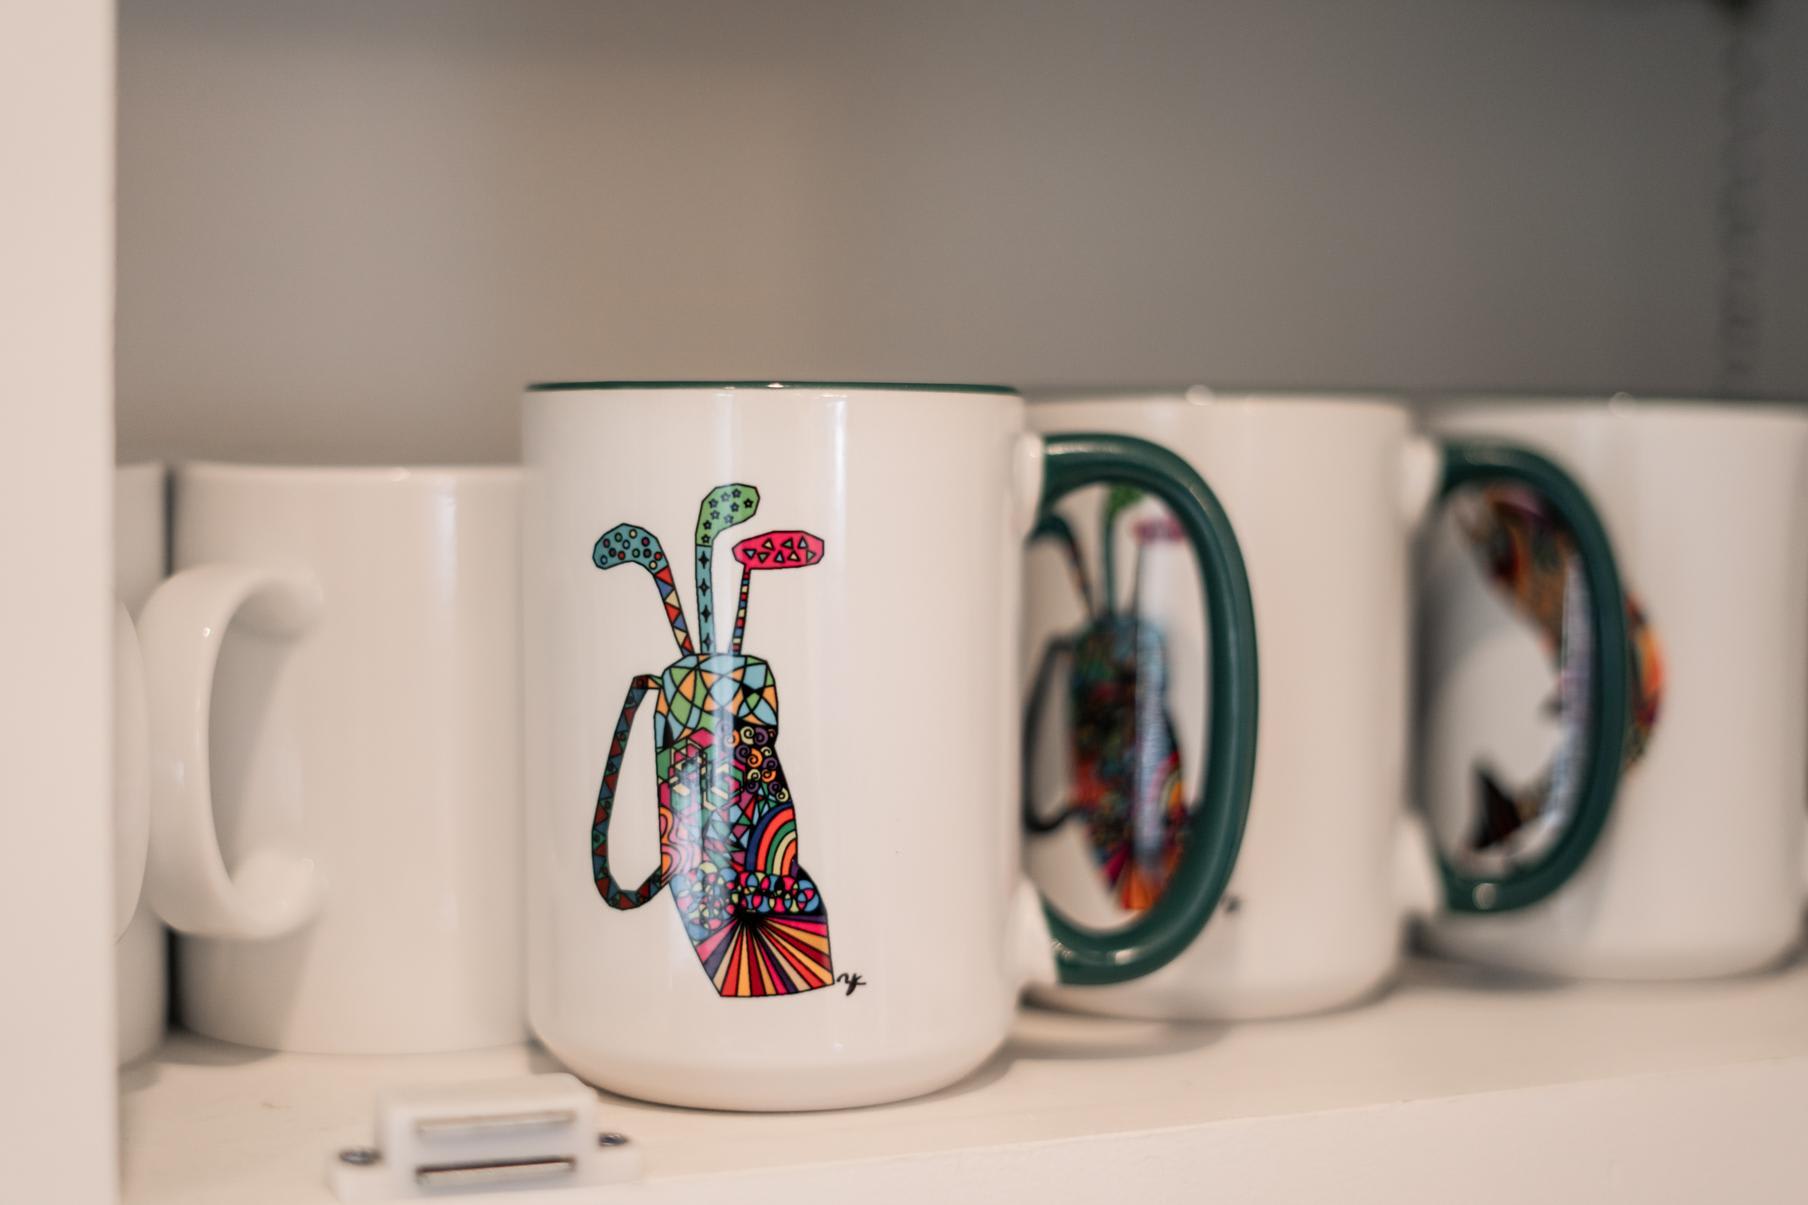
x,y
1158,529
779,550
773,550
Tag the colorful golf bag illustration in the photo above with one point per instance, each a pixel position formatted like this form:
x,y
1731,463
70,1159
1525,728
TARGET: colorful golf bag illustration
x,y
1530,556
1126,783
728,840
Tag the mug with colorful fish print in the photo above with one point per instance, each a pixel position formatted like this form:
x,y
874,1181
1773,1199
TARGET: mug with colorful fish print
x,y
1699,869
848,919
1328,494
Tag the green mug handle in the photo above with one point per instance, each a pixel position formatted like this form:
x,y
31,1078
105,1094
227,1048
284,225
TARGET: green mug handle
x,y
1470,462
1214,831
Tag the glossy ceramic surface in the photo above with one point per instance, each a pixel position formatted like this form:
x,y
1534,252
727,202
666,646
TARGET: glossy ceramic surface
x,y
1699,870
1324,494
335,738
894,648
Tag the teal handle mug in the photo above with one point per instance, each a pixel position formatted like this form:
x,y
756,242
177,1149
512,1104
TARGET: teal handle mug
x,y
1649,823
1194,849
1330,496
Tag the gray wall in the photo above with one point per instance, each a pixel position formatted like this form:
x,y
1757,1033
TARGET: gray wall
x,y
351,229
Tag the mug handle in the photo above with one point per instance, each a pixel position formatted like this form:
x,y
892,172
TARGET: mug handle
x,y
1486,461
181,630
1214,831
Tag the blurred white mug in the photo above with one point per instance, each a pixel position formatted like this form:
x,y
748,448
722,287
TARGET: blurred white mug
x,y
1699,867
1327,494
334,735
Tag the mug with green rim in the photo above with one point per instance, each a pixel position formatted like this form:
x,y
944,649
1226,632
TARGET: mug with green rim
x,y
1701,867
1328,494
802,888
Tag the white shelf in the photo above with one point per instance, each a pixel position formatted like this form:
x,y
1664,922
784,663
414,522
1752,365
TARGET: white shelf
x,y
1452,1085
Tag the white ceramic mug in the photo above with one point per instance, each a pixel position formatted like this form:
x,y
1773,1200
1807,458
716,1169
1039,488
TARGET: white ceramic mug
x,y
1327,494
140,955
1699,869
891,965
333,671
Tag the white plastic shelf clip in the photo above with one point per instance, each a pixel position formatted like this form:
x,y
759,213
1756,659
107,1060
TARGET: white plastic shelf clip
x,y
509,1135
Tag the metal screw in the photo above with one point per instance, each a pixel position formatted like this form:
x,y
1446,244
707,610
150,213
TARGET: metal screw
x,y
360,1156
1484,895
611,1138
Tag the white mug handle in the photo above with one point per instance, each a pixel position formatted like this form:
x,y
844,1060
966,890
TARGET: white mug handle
x,y
131,771
181,630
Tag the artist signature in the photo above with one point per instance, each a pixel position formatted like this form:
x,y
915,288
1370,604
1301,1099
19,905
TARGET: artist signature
x,y
852,981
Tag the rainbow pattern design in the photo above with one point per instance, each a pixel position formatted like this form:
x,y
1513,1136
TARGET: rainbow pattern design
x,y
728,835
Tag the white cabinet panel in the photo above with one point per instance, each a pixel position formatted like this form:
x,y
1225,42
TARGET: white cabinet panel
x,y
56,614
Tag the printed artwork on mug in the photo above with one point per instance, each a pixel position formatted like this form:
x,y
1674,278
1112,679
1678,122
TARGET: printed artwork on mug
x,y
1528,553
1124,761
728,835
